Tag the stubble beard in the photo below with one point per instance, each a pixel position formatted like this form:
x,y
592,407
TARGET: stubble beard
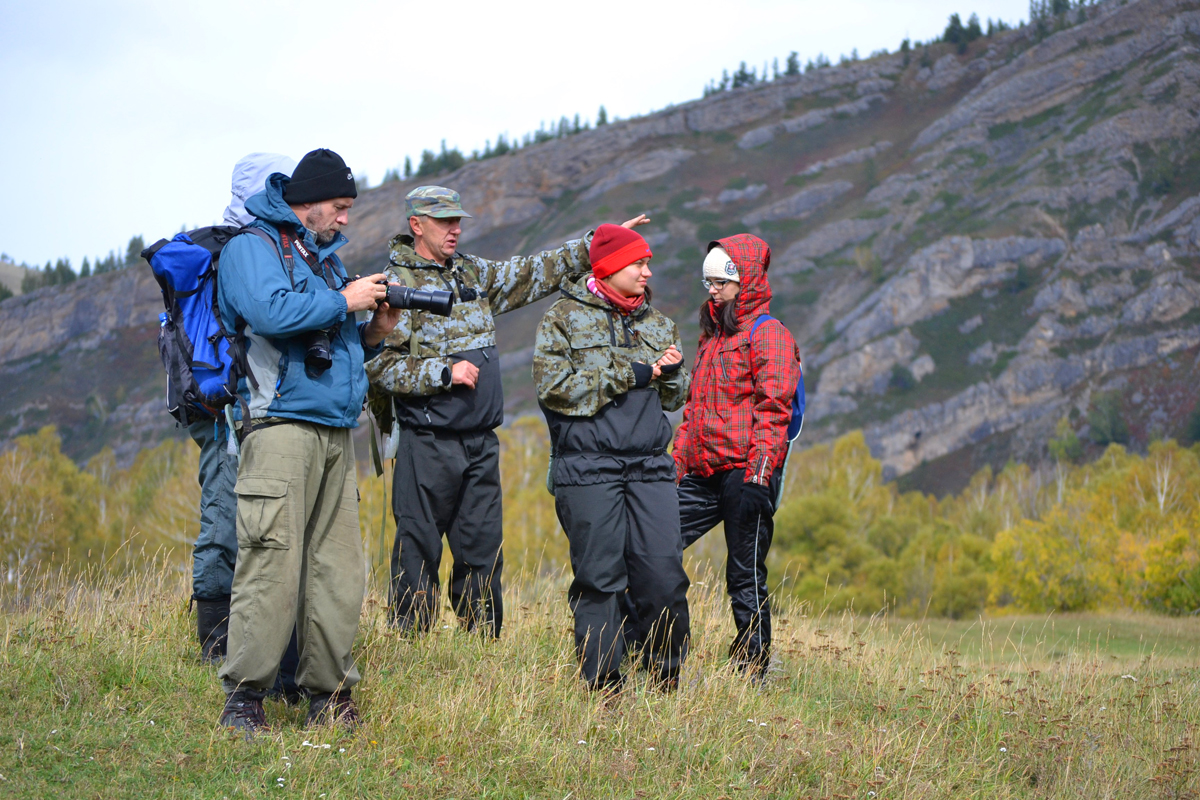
x,y
323,236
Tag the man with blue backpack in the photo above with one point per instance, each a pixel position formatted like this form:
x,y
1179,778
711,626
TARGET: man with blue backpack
x,y
202,379
284,290
745,406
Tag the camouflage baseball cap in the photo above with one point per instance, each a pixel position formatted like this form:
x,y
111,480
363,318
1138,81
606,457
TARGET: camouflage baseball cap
x,y
433,201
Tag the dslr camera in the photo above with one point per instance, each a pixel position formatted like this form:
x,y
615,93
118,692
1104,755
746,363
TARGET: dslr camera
x,y
319,356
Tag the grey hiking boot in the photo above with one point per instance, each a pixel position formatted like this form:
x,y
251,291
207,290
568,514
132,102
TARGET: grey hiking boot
x,y
243,711
338,708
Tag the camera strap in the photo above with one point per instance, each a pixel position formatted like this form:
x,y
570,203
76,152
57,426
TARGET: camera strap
x,y
294,244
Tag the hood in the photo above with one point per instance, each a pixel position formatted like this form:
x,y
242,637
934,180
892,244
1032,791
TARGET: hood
x,y
752,256
249,177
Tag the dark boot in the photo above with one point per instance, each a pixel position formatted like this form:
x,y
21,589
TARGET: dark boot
x,y
244,711
212,628
338,709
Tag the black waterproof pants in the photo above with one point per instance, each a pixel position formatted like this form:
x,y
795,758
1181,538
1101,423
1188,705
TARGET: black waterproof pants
x,y
447,483
704,502
625,535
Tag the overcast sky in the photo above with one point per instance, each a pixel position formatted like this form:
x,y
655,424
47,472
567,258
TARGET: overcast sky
x,y
126,117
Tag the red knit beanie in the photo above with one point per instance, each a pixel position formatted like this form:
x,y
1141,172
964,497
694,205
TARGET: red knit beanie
x,y
614,248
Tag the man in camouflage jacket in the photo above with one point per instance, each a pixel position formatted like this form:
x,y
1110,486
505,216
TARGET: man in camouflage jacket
x,y
442,375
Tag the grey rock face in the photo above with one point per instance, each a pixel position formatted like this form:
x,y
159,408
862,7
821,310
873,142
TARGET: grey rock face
x,y
1168,298
1040,78
651,165
752,192
857,371
82,312
760,136
953,267
1063,296
853,157
829,239
947,71
800,205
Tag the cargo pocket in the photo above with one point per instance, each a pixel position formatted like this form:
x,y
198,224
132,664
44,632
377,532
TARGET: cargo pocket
x,y
262,518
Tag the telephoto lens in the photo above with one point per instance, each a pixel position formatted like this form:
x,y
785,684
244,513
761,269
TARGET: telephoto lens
x,y
436,301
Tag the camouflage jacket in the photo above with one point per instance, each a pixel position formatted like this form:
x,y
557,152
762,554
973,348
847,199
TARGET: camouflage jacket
x,y
585,349
418,355
602,427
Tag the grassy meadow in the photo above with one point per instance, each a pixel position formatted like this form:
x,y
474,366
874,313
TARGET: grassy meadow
x,y
1033,636
104,697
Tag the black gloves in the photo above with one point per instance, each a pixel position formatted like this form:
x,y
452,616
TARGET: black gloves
x,y
756,503
667,369
642,375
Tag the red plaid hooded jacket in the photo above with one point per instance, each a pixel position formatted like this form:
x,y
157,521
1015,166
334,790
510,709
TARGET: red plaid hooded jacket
x,y
740,402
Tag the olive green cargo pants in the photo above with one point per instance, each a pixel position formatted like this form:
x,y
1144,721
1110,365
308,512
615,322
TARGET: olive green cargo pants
x,y
300,559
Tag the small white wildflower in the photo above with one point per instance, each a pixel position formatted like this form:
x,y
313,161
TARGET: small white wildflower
x,y
762,724
324,746
341,749
1128,678
1102,708
1003,749
650,749
54,731
151,722
307,743
749,720
870,794
279,780
445,626
581,741
285,758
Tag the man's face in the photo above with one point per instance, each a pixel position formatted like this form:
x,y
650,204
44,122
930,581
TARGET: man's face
x,y
438,237
326,218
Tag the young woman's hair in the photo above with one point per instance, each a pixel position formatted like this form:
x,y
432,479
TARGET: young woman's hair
x,y
726,323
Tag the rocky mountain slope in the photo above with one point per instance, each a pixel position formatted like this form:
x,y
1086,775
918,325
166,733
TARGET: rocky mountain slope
x,y
968,246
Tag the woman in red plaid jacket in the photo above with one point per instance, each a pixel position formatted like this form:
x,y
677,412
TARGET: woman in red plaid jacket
x,y
730,448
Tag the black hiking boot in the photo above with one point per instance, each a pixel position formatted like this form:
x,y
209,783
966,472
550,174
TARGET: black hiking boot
x,y
338,709
212,628
243,711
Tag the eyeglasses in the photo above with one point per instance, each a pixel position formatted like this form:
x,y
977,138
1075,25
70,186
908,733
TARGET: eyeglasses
x,y
718,285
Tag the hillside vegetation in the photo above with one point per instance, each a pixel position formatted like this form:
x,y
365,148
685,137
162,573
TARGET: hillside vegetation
x,y
1120,533
973,239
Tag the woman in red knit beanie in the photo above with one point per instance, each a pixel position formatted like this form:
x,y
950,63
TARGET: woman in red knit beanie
x,y
606,364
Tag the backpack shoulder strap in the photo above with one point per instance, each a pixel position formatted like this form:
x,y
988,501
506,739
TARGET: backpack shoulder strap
x,y
266,237
759,320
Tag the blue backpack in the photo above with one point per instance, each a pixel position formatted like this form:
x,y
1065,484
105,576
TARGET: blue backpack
x,y
798,402
203,359
797,421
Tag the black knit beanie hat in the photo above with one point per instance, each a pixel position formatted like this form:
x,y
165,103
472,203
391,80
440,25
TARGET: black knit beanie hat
x,y
320,175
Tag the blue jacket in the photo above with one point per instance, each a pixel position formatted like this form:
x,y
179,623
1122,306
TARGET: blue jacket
x,y
255,291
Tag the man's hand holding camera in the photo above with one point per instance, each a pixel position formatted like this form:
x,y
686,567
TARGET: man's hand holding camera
x,y
370,294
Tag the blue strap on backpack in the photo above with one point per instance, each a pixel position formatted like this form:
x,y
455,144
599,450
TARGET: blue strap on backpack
x,y
797,421
798,400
